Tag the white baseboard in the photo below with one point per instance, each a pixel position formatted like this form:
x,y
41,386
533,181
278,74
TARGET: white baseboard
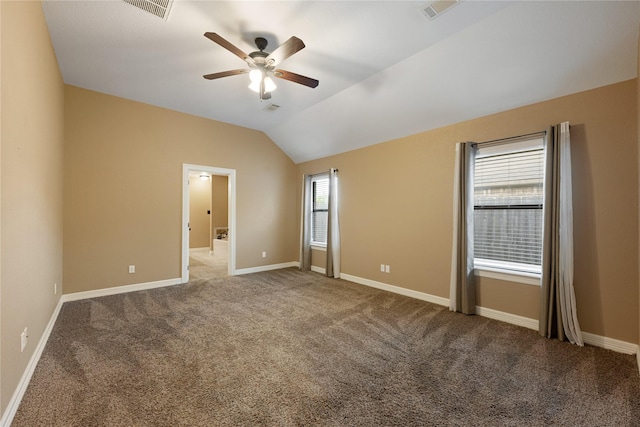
x,y
120,289
588,338
14,403
318,269
610,343
507,317
638,357
266,268
396,289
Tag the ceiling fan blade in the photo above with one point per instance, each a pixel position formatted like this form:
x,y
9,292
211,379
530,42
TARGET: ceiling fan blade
x,y
296,78
225,74
214,37
284,51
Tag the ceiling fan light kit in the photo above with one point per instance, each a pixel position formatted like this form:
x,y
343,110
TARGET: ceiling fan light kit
x,y
258,78
262,64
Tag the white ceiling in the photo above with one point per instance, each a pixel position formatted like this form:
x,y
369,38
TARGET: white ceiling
x,y
385,70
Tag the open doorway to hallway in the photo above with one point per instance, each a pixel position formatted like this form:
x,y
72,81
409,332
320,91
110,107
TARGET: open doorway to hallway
x,y
208,221
208,225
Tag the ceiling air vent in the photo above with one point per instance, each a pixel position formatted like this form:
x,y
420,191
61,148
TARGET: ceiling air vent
x,y
272,107
159,8
438,7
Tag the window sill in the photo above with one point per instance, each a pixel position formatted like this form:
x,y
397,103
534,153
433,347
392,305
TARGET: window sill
x,y
508,275
319,247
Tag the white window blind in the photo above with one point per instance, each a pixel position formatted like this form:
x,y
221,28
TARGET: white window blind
x,y
508,199
320,209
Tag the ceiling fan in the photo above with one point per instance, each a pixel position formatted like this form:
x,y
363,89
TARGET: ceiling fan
x,y
262,65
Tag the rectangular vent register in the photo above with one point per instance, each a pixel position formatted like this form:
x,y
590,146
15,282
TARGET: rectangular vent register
x,y
159,8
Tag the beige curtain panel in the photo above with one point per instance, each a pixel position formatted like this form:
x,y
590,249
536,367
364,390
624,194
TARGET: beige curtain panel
x,y
305,234
333,228
558,314
462,296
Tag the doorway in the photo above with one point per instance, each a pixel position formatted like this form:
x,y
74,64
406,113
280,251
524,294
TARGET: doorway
x,y
227,234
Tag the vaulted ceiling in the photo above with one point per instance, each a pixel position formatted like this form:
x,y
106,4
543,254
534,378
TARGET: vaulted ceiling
x,y
385,69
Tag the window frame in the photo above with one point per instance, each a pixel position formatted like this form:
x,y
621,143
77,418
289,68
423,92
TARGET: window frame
x,y
506,270
314,178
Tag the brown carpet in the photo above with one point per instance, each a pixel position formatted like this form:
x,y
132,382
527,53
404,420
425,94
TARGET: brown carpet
x,y
289,348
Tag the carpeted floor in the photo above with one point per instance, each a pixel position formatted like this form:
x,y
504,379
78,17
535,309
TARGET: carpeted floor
x,y
289,348
203,265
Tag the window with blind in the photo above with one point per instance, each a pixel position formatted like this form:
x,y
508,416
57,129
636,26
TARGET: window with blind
x,y
319,209
508,202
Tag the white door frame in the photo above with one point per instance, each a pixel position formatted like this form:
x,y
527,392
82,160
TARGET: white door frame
x,y
231,174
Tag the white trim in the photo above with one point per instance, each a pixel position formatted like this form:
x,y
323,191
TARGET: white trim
x,y
637,357
231,174
320,270
396,289
507,317
267,267
609,343
317,247
509,276
120,289
14,403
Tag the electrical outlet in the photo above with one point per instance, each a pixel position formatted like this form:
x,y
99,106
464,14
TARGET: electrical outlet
x,y
24,338
55,289
264,254
132,269
387,269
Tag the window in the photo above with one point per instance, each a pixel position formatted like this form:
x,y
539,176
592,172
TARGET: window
x,y
508,202
319,209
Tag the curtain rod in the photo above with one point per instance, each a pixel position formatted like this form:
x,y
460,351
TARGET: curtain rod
x,y
511,139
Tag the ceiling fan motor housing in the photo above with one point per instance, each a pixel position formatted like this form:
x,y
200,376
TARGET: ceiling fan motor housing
x,y
259,56
261,43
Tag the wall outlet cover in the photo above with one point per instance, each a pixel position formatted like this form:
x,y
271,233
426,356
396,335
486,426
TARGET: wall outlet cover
x,y
24,338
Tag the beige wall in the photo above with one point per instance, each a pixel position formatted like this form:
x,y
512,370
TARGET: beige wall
x,y
219,202
199,219
638,112
31,185
396,207
123,190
